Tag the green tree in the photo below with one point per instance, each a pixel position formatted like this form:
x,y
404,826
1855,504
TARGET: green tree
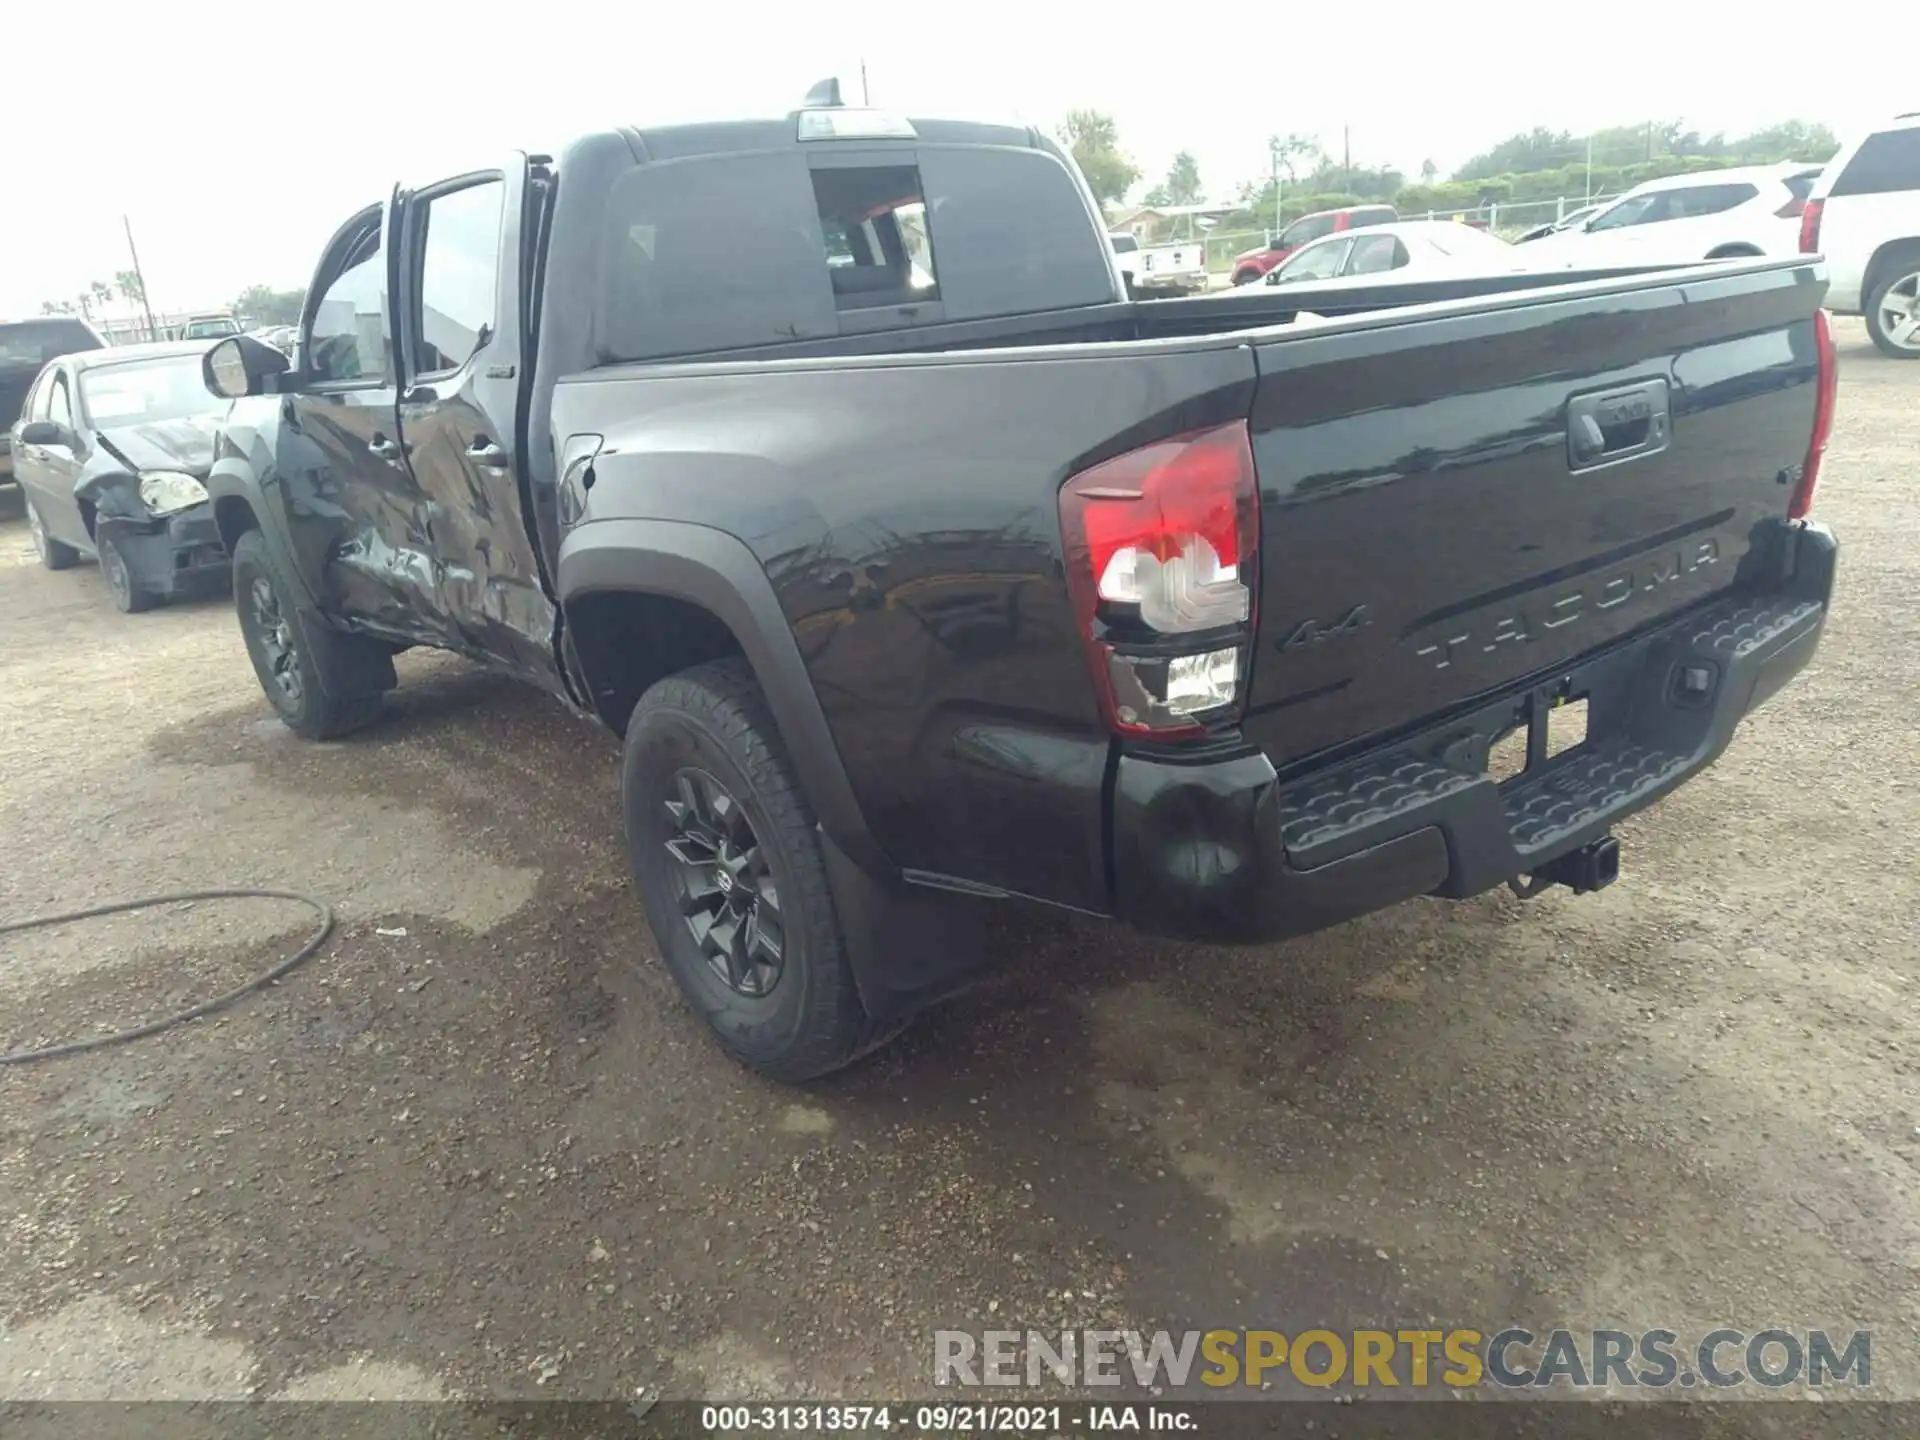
x,y
128,283
263,305
1094,141
56,307
100,292
1182,185
1535,149
1429,172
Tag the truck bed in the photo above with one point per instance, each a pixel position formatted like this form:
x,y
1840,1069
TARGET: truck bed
x,y
1430,534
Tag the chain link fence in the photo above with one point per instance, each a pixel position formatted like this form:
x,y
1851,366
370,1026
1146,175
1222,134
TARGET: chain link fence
x,y
1509,220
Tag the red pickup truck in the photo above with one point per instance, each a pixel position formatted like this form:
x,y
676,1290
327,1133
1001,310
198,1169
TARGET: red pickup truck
x,y
1254,264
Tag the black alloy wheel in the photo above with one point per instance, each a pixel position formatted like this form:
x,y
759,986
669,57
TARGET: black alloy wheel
x,y
724,886
273,632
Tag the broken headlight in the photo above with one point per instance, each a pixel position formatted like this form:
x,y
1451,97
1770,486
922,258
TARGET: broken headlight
x,y
165,491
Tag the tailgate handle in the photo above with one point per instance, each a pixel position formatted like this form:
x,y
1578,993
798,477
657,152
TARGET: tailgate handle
x,y
1618,424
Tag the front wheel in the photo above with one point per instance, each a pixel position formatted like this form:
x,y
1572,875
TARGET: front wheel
x,y
304,669
1893,311
53,555
129,596
728,864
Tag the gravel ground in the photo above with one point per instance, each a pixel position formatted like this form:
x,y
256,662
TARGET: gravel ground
x,y
477,1148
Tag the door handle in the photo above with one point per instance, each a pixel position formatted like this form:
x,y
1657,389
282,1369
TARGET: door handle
x,y
384,448
1618,424
484,452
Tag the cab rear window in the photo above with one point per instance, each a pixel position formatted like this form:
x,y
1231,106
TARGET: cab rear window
x,y
727,252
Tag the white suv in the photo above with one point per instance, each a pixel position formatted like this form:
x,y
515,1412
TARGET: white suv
x,y
1864,216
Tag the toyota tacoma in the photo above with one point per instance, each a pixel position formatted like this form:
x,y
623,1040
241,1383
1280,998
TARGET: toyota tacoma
x,y
824,460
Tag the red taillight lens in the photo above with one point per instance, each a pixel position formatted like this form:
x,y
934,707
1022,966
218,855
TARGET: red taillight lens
x,y
1162,549
1825,397
1810,226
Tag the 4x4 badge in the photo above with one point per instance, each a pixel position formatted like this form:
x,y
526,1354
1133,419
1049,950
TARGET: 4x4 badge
x,y
1309,633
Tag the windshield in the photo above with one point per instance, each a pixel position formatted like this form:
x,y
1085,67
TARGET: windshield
x,y
210,329
34,342
138,391
1125,244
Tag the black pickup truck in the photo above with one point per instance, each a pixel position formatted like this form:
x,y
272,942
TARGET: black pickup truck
x,y
824,460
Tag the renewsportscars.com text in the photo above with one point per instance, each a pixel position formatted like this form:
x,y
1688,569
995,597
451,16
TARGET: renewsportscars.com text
x,y
1513,1358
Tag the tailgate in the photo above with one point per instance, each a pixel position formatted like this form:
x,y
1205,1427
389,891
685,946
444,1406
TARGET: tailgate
x,y
1452,505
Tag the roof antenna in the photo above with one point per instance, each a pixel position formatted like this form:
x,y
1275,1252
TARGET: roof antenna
x,y
825,94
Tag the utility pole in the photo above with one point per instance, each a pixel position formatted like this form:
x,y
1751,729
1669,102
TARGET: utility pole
x,y
864,98
1649,140
1589,167
146,303
1346,155
1273,159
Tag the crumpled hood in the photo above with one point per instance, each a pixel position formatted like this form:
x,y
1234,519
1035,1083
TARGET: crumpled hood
x,y
166,444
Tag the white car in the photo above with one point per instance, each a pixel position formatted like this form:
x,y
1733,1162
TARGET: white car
x,y
1403,250
1864,216
1708,215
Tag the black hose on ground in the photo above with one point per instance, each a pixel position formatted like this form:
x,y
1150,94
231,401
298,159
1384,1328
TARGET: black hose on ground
x,y
206,1007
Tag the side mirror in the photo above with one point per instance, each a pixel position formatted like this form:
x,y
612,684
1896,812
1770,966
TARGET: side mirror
x,y
241,365
44,432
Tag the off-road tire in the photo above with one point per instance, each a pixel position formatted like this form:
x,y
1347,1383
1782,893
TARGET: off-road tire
x,y
332,695
713,719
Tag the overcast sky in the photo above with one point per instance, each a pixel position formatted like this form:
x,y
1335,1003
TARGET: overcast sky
x,y
237,137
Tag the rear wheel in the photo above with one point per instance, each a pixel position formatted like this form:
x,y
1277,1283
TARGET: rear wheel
x,y
129,598
314,677
1893,309
52,553
728,865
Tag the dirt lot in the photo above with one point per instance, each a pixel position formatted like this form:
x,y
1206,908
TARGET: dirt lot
x,y
494,1148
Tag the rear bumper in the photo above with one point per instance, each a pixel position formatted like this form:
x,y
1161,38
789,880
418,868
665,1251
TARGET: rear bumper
x,y
1226,850
178,555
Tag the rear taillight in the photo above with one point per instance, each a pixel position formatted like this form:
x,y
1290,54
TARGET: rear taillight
x,y
1162,551
1826,393
1810,226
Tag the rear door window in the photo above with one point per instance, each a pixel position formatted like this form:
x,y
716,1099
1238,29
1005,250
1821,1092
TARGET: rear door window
x,y
1373,254
459,275
1321,262
1887,162
1697,200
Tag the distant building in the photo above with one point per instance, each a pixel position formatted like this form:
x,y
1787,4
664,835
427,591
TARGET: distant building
x,y
1150,223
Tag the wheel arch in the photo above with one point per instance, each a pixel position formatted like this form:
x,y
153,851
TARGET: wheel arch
x,y
642,599
233,516
1884,257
